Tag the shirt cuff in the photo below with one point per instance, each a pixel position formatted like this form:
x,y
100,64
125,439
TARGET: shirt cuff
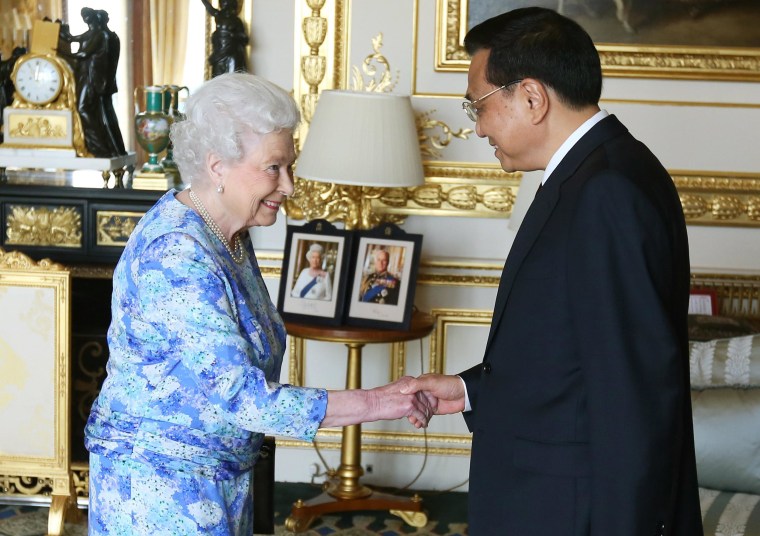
x,y
467,406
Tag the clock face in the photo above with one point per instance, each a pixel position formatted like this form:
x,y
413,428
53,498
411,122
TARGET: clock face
x,y
38,80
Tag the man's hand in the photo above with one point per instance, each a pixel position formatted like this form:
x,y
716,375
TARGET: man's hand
x,y
393,401
444,393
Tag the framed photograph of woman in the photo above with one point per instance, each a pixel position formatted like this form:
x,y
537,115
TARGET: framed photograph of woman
x,y
384,277
314,271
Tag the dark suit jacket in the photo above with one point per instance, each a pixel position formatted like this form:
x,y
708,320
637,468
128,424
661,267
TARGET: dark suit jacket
x,y
581,413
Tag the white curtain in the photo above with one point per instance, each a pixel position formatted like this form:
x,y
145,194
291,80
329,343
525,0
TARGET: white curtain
x,y
168,39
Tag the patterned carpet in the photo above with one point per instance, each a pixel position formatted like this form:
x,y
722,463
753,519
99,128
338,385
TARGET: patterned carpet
x,y
447,514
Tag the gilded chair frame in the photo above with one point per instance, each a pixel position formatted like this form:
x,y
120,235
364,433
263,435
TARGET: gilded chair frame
x,y
35,305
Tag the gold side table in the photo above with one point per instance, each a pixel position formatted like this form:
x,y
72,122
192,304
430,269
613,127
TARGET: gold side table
x,y
346,493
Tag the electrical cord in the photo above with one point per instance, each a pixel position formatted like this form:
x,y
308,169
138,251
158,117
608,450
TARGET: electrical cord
x,y
330,472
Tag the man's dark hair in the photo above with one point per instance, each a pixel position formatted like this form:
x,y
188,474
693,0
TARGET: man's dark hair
x,y
540,43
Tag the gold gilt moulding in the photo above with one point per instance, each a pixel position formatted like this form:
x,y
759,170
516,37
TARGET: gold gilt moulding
x,y
477,190
30,225
114,227
627,58
711,198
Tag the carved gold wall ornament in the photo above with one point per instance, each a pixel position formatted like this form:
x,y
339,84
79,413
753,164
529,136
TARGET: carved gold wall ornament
x,y
314,65
114,227
30,225
712,198
431,145
686,62
385,83
15,260
453,189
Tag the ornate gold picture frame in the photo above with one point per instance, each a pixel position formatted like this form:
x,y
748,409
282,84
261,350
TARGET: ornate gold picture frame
x,y
35,311
624,59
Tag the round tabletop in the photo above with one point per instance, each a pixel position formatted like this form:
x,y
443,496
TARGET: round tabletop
x,y
422,325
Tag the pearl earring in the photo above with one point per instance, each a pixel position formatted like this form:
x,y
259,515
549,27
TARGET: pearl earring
x,y
220,189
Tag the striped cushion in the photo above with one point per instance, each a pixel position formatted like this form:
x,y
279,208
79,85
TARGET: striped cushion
x,y
733,362
729,514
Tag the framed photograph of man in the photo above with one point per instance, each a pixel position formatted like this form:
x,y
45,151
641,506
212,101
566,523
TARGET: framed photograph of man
x,y
314,271
384,277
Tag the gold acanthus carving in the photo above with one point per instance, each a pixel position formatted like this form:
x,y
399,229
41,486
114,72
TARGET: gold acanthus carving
x,y
114,228
454,13
15,260
431,145
385,83
42,226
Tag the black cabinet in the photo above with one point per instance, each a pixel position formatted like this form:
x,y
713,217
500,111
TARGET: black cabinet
x,y
70,224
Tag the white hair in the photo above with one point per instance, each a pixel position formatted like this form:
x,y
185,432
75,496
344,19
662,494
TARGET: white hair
x,y
222,112
314,248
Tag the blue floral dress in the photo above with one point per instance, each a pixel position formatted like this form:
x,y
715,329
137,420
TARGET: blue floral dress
x,y
196,348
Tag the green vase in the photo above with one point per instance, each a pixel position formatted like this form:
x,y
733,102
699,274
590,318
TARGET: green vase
x,y
152,128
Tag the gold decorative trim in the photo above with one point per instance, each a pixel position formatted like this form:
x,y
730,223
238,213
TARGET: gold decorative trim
x,y
30,225
26,485
444,318
453,189
719,198
386,81
114,227
91,271
458,280
48,471
391,442
15,260
684,62
485,191
398,361
80,472
738,295
432,144
375,447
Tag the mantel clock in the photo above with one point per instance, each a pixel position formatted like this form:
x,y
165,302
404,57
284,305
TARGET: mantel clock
x,y
44,114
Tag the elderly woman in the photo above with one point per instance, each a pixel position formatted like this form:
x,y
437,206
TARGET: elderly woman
x,y
313,282
195,342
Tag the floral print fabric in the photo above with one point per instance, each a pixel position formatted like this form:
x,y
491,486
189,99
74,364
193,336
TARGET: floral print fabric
x,y
196,349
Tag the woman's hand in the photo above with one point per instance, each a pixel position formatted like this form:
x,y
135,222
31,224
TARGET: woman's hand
x,y
357,406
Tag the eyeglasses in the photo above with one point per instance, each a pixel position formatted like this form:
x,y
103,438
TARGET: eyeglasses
x,y
469,106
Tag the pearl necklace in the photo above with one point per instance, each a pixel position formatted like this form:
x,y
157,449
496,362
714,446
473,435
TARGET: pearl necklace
x,y
237,255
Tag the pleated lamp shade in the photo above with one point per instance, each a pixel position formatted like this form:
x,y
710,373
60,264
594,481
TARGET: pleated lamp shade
x,y
362,139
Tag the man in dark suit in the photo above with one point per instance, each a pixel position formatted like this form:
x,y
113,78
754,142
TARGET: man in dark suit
x,y
580,410
380,286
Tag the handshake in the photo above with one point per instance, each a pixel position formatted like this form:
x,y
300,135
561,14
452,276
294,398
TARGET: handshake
x,y
417,399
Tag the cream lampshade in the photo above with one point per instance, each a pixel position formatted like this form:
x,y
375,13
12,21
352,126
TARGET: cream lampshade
x,y
362,139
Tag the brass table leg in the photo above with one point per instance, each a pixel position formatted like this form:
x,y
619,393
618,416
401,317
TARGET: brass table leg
x,y
350,469
347,494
